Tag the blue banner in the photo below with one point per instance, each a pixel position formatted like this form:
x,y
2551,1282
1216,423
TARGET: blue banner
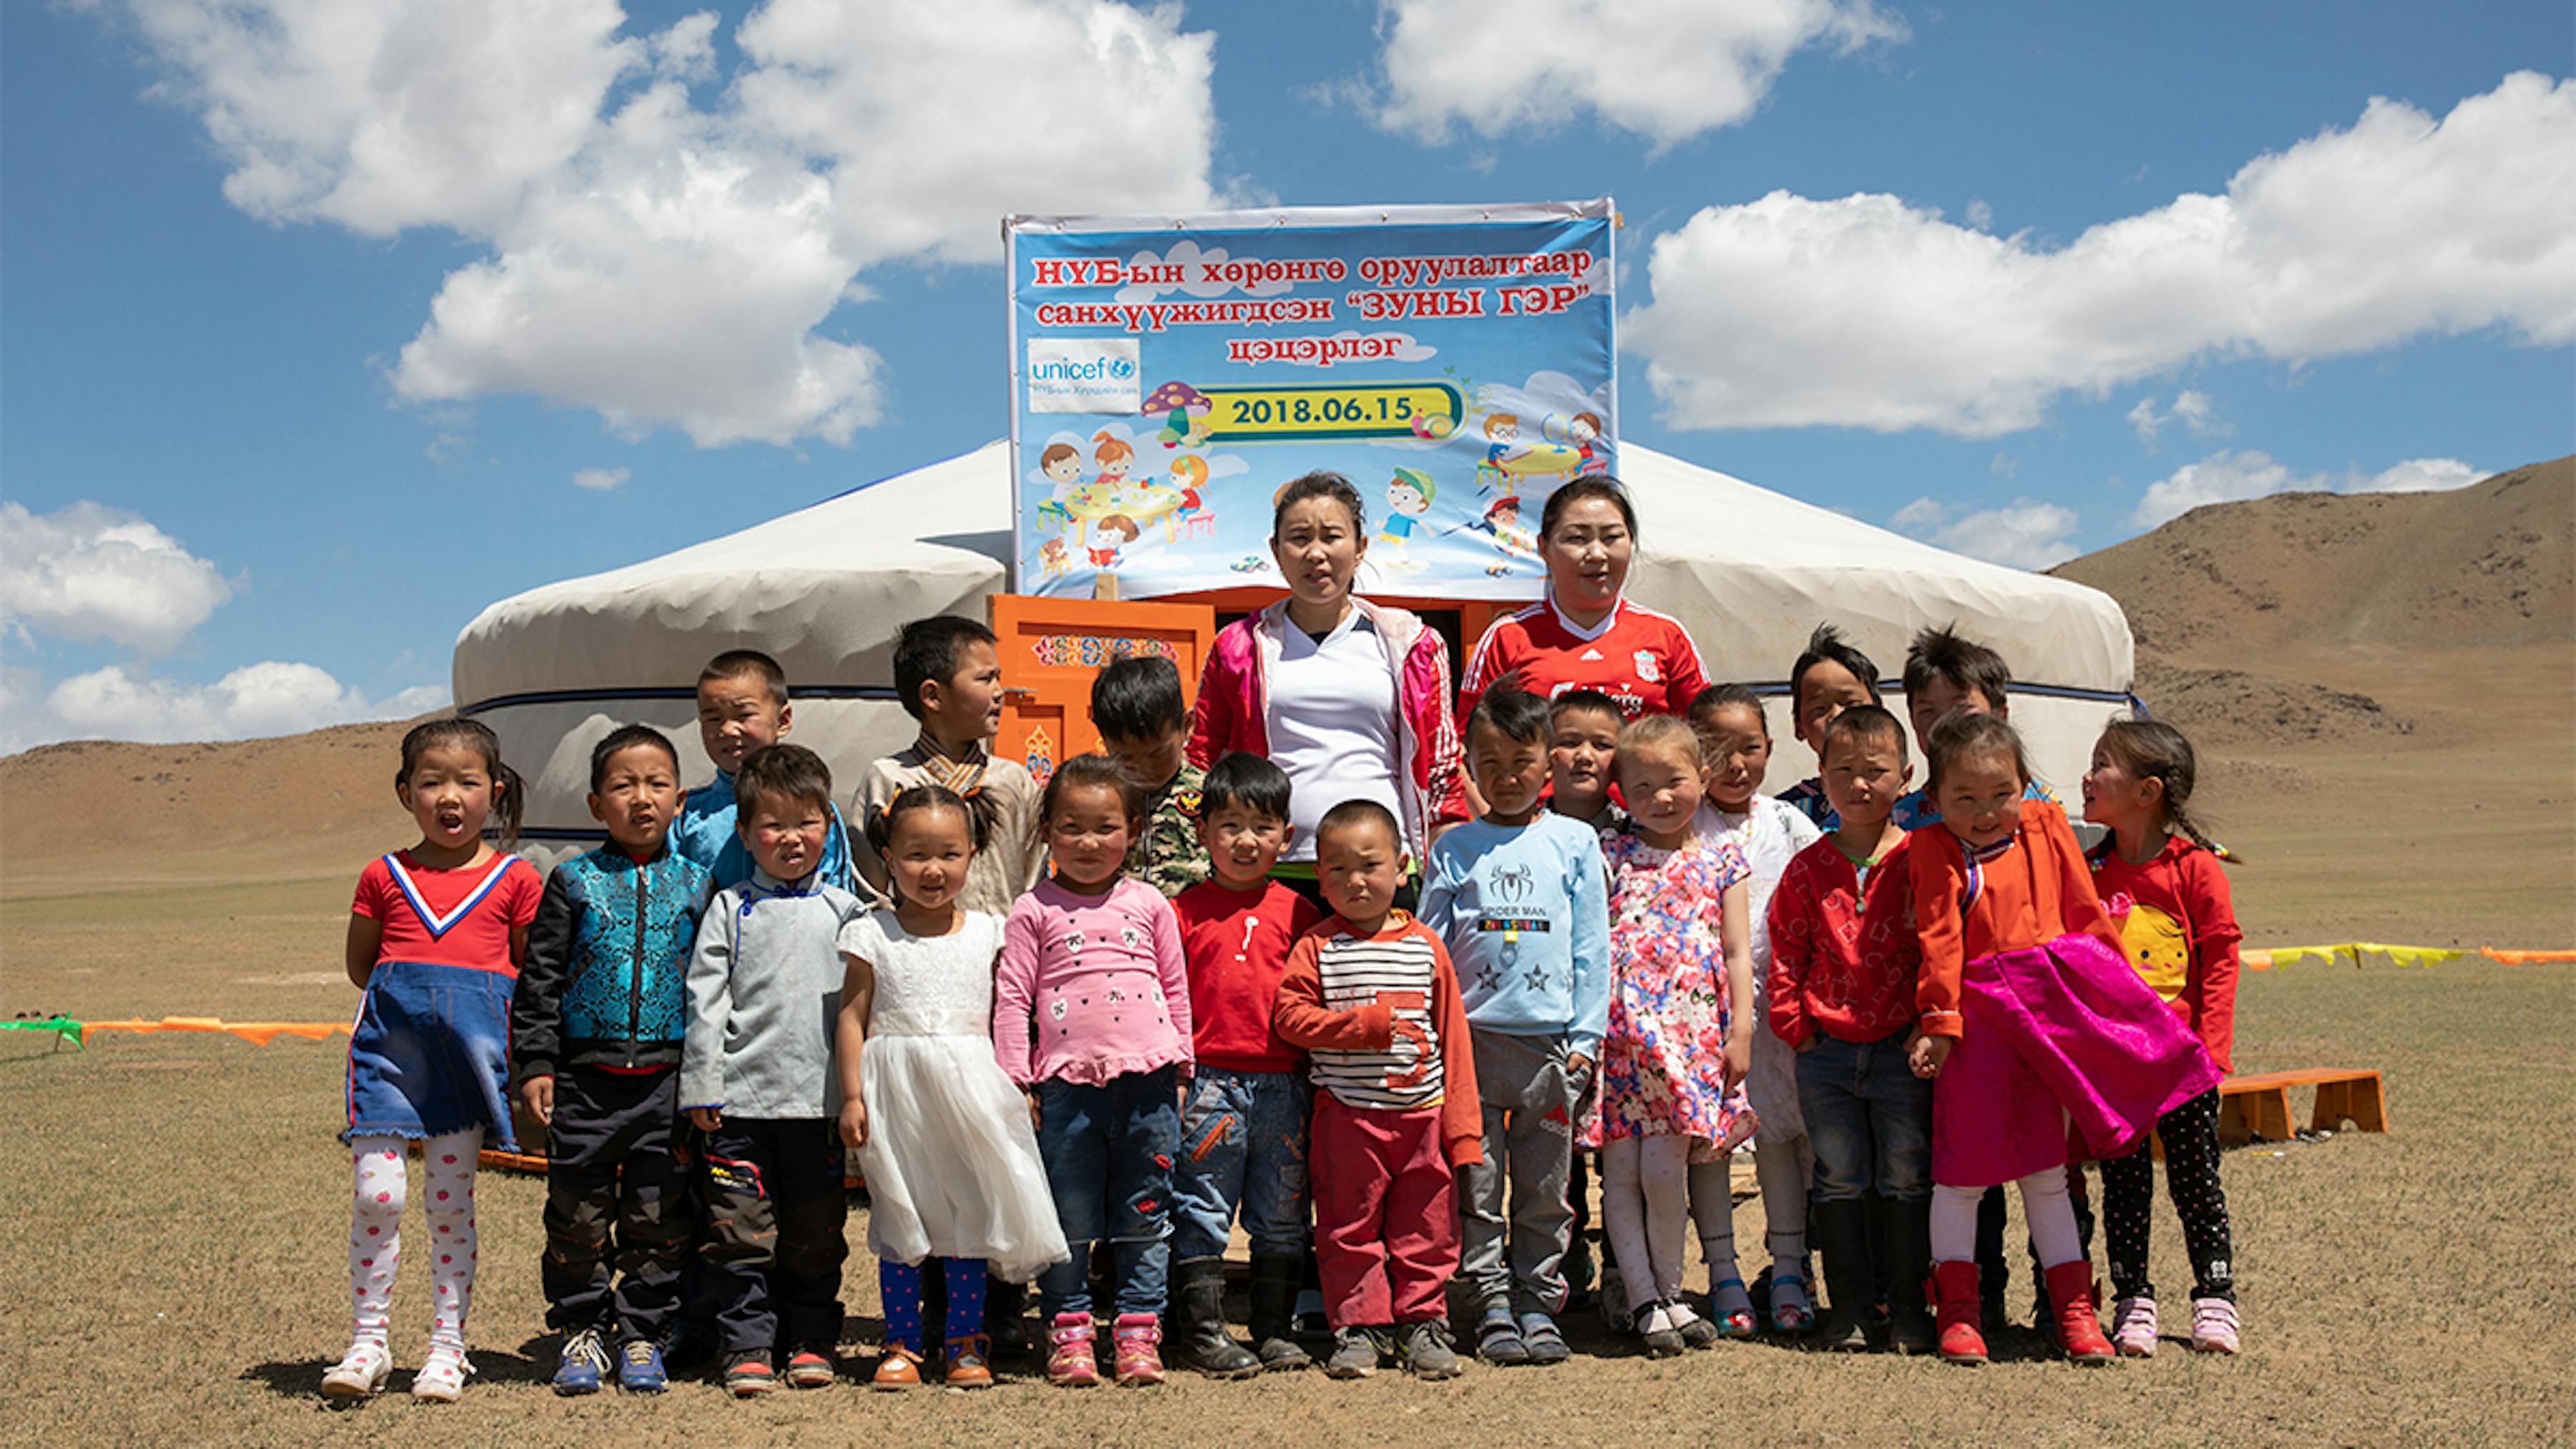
x,y
1456,363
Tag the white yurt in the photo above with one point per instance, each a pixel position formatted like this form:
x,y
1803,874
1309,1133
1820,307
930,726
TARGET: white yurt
x,y
825,588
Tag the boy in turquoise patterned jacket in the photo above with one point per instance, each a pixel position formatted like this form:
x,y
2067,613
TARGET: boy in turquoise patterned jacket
x,y
596,1026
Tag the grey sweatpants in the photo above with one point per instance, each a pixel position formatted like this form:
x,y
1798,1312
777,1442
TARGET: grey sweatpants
x,y
1529,1137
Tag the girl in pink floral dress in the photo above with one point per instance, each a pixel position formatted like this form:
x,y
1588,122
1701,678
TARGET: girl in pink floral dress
x,y
1670,1064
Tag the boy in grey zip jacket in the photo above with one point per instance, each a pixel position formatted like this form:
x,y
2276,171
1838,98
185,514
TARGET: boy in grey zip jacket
x,y
756,1077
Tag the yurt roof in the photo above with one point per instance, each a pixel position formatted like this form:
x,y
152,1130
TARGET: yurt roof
x,y
1750,571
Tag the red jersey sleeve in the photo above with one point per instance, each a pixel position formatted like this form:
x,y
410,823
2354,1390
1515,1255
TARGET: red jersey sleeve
x,y
1487,662
1792,928
2210,990
1462,1115
374,899
526,889
1940,924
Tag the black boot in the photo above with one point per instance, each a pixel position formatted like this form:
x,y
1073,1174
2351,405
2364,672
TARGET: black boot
x,y
1006,1315
1842,1231
1274,1312
1198,1337
1907,1251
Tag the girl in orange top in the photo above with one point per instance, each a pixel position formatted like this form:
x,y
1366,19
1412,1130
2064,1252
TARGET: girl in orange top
x,y
2031,1020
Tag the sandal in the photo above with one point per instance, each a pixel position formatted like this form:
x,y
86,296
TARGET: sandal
x,y
1731,1308
1790,1310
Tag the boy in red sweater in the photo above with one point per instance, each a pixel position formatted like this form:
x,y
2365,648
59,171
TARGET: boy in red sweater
x,y
1370,995
1844,962
1243,1125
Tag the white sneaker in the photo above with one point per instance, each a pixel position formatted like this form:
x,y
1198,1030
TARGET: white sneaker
x,y
361,1371
2133,1327
442,1375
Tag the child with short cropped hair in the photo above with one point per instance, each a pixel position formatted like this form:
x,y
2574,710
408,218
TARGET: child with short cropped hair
x,y
1680,1034
1518,897
1844,961
756,1077
1829,677
2032,1020
1948,673
596,1030
948,676
1091,1018
743,706
1735,749
1243,1121
2159,878
1144,724
1370,995
1582,743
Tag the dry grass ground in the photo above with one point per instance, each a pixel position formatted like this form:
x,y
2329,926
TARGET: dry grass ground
x,y
172,1239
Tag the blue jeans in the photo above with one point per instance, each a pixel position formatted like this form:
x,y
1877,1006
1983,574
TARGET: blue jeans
x,y
1108,1152
1243,1145
1869,1118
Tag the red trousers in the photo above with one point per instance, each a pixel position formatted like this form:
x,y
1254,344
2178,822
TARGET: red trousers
x,y
1386,1213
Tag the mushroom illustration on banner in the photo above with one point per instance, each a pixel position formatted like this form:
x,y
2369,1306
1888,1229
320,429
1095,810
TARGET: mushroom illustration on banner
x,y
1184,411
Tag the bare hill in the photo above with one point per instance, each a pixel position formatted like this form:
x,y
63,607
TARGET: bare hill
x,y
2383,692
2491,564
91,813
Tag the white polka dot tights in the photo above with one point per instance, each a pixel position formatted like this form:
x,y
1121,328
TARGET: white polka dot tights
x,y
375,1232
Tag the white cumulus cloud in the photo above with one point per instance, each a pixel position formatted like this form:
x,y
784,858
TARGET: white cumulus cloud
x,y
663,261
2229,476
1664,69
393,113
2024,534
94,574
267,698
601,480
932,121
1867,311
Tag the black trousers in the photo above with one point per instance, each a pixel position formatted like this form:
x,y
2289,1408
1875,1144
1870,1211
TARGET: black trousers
x,y
619,1215
775,1217
2190,1135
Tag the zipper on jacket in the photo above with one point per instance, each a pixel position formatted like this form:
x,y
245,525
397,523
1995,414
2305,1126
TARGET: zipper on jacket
x,y
635,971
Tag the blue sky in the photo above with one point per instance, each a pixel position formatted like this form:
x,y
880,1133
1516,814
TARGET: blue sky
x,y
308,325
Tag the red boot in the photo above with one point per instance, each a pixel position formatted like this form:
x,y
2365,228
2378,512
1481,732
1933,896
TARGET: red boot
x,y
1954,1289
2079,1323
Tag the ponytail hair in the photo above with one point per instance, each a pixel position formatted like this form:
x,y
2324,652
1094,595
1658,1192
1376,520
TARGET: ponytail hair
x,y
509,792
2150,749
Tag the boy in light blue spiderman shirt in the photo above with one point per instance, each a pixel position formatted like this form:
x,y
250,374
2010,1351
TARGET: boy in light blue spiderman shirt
x,y
1520,898
742,707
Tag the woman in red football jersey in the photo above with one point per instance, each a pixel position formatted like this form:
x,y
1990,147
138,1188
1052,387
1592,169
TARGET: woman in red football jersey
x,y
1585,634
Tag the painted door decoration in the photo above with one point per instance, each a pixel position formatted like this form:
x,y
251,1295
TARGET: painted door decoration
x,y
1052,648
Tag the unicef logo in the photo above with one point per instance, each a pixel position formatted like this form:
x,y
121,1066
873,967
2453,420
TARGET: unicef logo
x,y
1120,368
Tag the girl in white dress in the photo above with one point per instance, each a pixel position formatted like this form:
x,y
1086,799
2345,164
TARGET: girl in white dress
x,y
952,1165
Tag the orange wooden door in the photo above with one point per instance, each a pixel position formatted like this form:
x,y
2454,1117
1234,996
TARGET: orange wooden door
x,y
1053,648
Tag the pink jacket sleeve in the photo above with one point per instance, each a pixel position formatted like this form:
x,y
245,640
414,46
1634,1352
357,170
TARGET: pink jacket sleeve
x,y
1015,979
1216,722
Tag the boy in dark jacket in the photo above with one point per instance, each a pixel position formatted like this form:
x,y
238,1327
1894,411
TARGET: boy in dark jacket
x,y
596,1026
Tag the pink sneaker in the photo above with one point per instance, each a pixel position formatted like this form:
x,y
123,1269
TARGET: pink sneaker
x,y
1074,1363
2213,1326
1135,1337
2133,1327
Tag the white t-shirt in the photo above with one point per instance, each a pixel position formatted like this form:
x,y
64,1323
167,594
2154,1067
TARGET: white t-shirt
x,y
1332,724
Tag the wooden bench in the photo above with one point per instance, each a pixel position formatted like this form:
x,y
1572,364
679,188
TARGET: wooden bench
x,y
2259,1105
